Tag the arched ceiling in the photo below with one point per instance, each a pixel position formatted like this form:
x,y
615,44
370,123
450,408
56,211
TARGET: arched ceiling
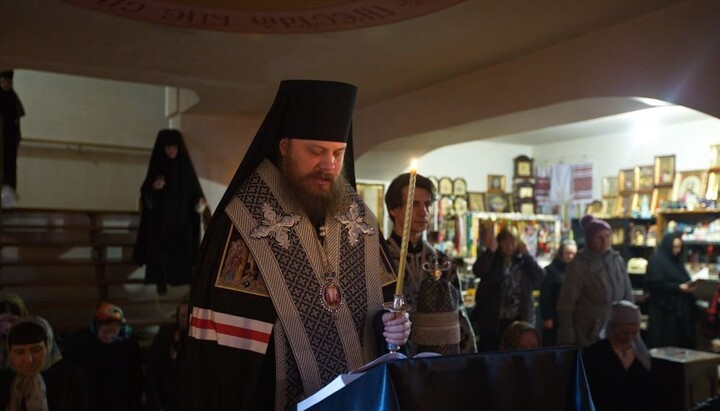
x,y
268,16
235,72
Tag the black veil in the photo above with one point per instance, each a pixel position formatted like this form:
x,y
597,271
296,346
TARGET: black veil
x,y
303,109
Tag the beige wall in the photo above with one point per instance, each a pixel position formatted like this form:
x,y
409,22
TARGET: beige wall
x,y
63,107
79,109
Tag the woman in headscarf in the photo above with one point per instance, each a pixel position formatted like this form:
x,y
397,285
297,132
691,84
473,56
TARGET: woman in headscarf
x,y
109,356
520,335
12,308
38,378
671,306
172,202
593,281
618,366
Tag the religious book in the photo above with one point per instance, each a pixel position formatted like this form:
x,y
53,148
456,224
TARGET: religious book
x,y
344,379
702,275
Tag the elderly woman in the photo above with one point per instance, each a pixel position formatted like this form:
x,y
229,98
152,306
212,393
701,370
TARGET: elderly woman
x,y
520,335
593,281
38,378
618,366
508,275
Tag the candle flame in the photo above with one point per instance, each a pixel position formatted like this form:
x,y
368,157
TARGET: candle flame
x,y
413,164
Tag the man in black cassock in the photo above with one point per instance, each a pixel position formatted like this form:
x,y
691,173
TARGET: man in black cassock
x,y
171,203
290,281
11,109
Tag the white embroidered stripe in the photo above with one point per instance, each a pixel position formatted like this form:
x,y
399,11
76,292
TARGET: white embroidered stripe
x,y
230,330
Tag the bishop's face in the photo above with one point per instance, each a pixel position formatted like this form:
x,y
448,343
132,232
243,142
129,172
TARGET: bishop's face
x,y
313,169
314,163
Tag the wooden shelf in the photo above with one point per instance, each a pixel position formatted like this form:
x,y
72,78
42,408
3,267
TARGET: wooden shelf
x,y
689,216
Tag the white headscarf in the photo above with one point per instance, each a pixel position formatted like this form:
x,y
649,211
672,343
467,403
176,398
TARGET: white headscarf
x,y
28,393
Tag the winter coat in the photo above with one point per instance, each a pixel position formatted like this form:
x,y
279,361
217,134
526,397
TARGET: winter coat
x,y
592,283
489,268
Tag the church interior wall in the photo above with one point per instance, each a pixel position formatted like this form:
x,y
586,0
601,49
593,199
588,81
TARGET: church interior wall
x,y
647,57
119,113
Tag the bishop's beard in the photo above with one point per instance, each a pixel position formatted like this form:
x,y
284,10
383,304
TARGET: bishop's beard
x,y
317,205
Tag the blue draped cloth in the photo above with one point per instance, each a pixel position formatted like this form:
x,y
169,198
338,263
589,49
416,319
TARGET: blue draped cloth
x,y
549,379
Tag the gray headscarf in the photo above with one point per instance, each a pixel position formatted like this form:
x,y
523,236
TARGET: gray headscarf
x,y
625,312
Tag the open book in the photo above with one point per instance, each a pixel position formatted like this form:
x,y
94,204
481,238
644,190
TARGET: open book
x,y
702,275
344,379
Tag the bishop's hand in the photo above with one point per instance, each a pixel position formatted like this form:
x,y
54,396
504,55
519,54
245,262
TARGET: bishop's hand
x,y
397,327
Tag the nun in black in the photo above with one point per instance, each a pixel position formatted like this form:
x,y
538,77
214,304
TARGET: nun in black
x,y
671,306
11,109
172,202
290,277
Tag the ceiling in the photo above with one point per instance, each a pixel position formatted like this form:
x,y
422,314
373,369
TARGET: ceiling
x,y
236,73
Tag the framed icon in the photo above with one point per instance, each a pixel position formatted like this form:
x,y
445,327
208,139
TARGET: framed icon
x,y
495,183
609,206
626,181
447,208
523,167
713,185
715,157
610,187
527,208
445,186
372,194
627,204
476,202
660,198
461,205
618,236
644,175
689,186
526,192
434,180
459,187
664,171
498,202
638,234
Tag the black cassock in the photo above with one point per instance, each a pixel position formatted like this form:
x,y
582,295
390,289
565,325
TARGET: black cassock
x,y
11,109
169,232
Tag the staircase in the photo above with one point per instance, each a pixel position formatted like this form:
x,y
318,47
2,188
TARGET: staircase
x,y
63,262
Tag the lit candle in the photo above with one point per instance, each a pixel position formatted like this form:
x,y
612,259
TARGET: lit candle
x,y
406,228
